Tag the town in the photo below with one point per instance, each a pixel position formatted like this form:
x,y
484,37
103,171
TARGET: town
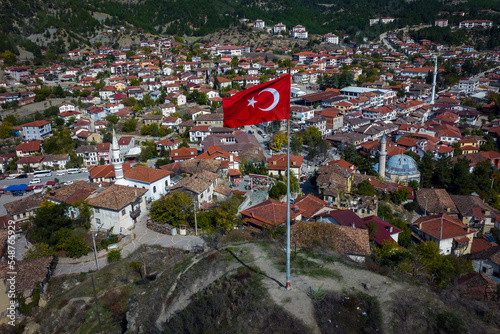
x,y
394,160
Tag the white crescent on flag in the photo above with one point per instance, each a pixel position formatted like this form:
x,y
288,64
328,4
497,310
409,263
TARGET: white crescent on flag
x,y
276,96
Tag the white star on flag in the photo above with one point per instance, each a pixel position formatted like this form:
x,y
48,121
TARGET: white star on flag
x,y
252,102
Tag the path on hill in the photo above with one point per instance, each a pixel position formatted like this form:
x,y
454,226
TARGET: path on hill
x,y
300,305
144,236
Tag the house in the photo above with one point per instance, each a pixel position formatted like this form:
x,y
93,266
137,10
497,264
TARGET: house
x,y
311,206
104,153
152,119
117,208
66,106
487,261
382,230
333,182
183,153
71,194
29,163
102,173
89,154
475,213
30,275
23,209
451,235
269,214
199,186
126,143
199,132
167,144
67,115
435,202
57,161
331,38
277,164
167,109
213,120
154,181
229,160
351,242
29,147
37,130
171,121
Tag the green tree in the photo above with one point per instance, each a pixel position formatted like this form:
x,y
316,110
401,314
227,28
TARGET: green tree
x,y
426,167
296,144
5,130
175,209
129,125
278,190
39,250
113,119
9,58
73,244
461,180
365,188
399,196
49,219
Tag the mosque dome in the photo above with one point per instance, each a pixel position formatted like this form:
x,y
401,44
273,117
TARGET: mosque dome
x,y
401,165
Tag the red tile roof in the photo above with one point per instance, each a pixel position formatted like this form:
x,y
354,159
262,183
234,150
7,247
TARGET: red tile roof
x,y
278,162
269,213
36,124
442,227
29,146
145,174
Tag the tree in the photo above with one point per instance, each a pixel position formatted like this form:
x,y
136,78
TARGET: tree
x,y
49,218
9,58
226,215
442,173
39,250
399,196
461,181
296,144
73,244
365,188
278,141
426,167
5,130
113,119
175,209
278,190
129,125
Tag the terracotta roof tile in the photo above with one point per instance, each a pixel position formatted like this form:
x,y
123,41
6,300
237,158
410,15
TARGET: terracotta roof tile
x,y
145,174
116,197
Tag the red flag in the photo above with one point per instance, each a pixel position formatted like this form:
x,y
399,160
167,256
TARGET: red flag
x,y
266,102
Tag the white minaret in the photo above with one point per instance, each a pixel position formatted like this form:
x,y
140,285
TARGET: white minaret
x,y
381,160
116,159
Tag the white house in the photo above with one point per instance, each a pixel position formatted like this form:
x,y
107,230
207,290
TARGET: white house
x,y
259,24
278,28
117,208
199,132
37,130
331,38
167,109
66,106
199,186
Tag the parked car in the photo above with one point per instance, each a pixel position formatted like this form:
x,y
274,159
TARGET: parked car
x,y
22,176
11,177
68,183
35,181
60,173
259,132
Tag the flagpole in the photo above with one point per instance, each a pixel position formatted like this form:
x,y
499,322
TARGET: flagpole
x,y
288,284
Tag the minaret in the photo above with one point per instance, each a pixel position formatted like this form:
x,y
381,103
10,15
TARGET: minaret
x,y
116,160
381,160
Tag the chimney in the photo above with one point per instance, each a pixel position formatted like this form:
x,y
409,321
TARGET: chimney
x,y
230,158
390,229
448,209
352,225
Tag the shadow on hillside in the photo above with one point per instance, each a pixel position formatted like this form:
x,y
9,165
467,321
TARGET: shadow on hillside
x,y
254,270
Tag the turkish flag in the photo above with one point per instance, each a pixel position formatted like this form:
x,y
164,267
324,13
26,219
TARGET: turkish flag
x,y
266,102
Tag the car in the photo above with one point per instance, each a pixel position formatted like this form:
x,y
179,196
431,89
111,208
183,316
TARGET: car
x,y
68,183
22,176
60,173
259,132
2,177
252,126
17,193
84,170
35,181
11,177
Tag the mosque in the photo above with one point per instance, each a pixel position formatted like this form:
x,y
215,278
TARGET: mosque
x,y
399,168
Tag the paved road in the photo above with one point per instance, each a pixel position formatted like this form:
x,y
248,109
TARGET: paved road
x,y
144,236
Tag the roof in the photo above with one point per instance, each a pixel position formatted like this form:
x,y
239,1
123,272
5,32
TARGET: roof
x,y
197,183
145,174
77,191
102,171
478,286
442,227
345,240
116,197
26,204
29,146
183,153
401,164
480,244
269,213
278,162
35,124
383,231
193,166
436,201
29,272
310,204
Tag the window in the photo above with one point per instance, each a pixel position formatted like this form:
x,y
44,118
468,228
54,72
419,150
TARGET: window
x,y
96,210
154,189
97,221
123,212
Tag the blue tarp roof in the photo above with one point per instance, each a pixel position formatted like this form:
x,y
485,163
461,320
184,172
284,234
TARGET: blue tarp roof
x,y
16,187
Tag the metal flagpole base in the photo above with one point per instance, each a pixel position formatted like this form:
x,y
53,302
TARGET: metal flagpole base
x,y
288,286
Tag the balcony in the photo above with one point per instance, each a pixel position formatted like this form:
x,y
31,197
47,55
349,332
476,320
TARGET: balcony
x,y
136,213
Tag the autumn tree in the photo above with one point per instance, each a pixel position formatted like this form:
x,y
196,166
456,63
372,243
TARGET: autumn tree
x,y
175,209
278,141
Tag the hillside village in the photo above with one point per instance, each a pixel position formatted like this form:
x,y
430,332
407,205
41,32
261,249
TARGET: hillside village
x,y
390,159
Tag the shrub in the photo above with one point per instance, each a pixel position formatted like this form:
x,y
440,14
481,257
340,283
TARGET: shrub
x,y
114,255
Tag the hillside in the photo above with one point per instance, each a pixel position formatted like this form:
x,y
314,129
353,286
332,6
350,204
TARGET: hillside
x,y
64,24
239,289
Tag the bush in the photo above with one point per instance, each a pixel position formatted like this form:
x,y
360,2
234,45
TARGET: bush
x,y
114,255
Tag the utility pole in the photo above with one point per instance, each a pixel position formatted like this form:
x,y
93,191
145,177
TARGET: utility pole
x,y
195,221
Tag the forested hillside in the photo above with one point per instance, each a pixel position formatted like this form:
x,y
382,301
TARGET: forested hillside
x,y
81,19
